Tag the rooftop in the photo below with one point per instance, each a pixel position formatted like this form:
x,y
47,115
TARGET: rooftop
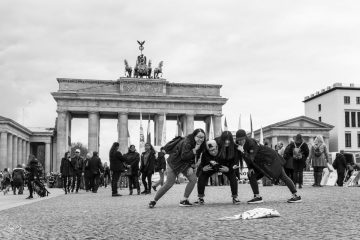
x,y
328,89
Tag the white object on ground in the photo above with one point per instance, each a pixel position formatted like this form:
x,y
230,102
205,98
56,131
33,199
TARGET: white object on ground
x,y
254,213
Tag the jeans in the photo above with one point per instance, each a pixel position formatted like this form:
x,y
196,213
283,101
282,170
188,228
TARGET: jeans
x,y
204,177
77,179
256,176
147,185
94,182
161,181
290,173
298,171
134,182
341,176
66,182
190,174
114,181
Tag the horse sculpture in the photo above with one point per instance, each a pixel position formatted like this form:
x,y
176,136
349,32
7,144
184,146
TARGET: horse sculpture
x,y
158,70
128,69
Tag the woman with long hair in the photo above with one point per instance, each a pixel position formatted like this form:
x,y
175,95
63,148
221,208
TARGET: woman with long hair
x,y
319,158
182,160
147,167
116,167
132,159
66,170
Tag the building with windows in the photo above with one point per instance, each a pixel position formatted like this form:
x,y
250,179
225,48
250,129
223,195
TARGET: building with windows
x,y
338,105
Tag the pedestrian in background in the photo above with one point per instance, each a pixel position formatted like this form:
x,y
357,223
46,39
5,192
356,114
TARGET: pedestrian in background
x,y
66,170
18,179
289,164
35,171
117,161
319,158
107,177
6,181
87,172
132,160
147,167
77,162
340,165
96,168
160,167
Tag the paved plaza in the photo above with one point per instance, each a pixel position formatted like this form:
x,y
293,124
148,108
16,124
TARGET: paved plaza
x,y
325,213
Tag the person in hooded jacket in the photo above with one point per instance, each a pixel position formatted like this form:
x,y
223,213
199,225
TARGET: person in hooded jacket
x,y
263,161
132,160
18,176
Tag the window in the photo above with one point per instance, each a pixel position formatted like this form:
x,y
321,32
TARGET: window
x,y
347,119
346,99
358,135
319,119
353,119
319,107
357,100
358,117
347,139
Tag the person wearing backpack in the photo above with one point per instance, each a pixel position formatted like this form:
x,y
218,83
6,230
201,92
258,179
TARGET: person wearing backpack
x,y
182,158
299,152
319,158
18,176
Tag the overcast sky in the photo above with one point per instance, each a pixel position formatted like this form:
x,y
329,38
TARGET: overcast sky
x,y
268,55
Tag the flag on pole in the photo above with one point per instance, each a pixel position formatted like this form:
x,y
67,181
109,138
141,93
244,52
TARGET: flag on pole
x,y
142,138
148,134
163,134
239,126
261,141
251,127
211,130
225,125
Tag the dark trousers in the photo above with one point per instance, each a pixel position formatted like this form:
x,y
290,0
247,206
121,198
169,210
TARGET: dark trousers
x,y
134,182
114,181
94,182
18,185
257,175
318,175
290,173
298,171
204,177
87,182
30,186
77,179
341,176
147,185
66,182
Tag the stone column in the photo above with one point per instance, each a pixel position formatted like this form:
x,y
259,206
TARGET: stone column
x,y
9,151
217,125
189,123
93,137
183,124
27,150
15,152
3,150
159,124
61,139
207,126
47,157
23,151
122,131
274,141
19,155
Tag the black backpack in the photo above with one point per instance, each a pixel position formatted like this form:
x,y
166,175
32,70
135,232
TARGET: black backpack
x,y
170,146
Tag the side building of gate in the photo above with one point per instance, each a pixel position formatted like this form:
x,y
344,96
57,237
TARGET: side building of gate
x,y
125,99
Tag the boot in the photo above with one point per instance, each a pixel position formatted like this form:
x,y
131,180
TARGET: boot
x,y
319,179
144,192
131,192
315,179
138,191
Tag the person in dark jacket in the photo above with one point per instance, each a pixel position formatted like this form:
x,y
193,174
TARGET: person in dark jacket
x,y
289,164
35,171
132,160
298,151
160,167
262,161
219,159
96,168
66,170
147,167
340,165
18,177
107,177
6,181
87,172
116,167
77,162
181,160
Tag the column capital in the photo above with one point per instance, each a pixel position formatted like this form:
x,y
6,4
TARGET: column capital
x,y
123,113
93,112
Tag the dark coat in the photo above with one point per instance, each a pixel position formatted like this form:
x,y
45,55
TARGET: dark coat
x,y
86,168
66,168
160,162
95,166
117,161
149,167
18,175
288,157
133,159
34,169
183,156
340,163
78,164
264,157
226,162
288,154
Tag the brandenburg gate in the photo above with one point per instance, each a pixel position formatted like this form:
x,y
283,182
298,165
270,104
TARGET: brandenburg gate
x,y
125,99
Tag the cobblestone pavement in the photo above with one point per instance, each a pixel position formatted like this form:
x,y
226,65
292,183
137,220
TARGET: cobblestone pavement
x,y
325,213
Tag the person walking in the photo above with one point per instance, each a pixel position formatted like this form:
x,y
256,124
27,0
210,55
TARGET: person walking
x,y
116,167
87,172
77,162
319,158
147,167
96,168
66,171
262,161
6,181
181,160
18,177
107,177
160,167
132,160
300,152
35,171
339,165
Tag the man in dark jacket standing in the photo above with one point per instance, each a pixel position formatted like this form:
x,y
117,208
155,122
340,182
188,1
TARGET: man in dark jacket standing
x,y
340,165
77,162
116,167
95,167
262,161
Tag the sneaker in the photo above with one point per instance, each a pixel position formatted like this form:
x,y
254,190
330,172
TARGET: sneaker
x,y
29,197
154,188
200,201
144,192
295,199
236,201
185,203
152,204
255,200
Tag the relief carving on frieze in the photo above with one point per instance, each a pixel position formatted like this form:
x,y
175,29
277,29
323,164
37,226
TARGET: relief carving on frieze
x,y
142,87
